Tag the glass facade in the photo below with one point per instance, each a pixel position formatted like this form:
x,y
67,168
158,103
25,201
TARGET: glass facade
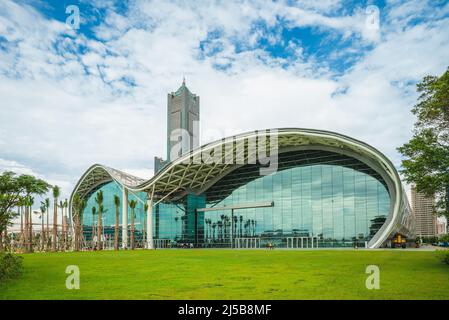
x,y
108,216
319,199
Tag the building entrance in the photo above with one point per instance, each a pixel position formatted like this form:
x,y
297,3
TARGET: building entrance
x,y
302,242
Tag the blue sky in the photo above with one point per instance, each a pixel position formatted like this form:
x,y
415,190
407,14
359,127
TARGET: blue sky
x,y
73,97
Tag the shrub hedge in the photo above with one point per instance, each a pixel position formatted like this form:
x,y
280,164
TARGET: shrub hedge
x,y
10,266
446,257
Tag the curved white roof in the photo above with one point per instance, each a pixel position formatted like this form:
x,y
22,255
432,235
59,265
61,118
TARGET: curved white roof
x,y
187,174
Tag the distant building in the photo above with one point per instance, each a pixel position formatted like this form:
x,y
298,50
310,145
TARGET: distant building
x,y
159,163
183,115
441,228
423,209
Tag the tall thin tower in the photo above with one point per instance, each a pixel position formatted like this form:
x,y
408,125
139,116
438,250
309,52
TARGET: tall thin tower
x,y
183,115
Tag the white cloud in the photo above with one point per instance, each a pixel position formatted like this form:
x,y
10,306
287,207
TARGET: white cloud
x,y
14,166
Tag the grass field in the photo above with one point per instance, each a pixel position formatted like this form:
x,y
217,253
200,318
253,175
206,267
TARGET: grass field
x,y
232,274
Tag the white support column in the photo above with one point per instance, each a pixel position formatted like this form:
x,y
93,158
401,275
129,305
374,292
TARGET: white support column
x,y
125,218
150,242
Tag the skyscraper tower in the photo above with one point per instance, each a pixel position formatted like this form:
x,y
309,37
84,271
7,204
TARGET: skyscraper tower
x,y
426,221
183,115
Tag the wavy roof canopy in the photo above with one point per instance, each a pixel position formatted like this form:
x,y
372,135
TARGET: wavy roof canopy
x,y
99,174
184,175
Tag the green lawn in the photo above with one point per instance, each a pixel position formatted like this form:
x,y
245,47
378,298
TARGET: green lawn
x,y
232,274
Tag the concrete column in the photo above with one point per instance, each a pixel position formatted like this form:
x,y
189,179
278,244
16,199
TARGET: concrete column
x,y
125,218
150,242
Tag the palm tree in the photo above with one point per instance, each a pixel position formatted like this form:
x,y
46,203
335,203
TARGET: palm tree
x,y
26,223
247,228
56,193
225,227
176,227
211,235
208,224
44,232
38,214
62,244
145,234
132,205
43,237
94,212
214,225
220,230
183,225
65,204
241,225
21,205
29,223
78,205
234,227
205,228
47,206
116,230
99,200
255,226
228,226
82,208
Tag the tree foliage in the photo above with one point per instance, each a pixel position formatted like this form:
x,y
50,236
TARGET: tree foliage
x,y
16,191
78,206
426,162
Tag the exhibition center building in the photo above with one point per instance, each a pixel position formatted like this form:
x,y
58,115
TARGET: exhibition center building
x,y
284,187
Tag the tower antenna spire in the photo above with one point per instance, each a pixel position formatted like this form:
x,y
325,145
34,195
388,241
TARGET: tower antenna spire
x,y
183,80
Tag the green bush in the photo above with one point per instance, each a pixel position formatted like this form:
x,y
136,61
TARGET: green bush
x,y
10,266
446,258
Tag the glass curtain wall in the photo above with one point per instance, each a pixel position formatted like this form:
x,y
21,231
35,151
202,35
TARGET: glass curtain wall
x,y
321,199
170,223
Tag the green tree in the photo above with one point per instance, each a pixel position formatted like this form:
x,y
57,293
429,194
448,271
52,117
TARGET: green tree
x,y
47,205
116,230
10,197
56,193
94,212
14,190
62,240
99,200
144,228
43,210
132,205
64,226
78,205
29,201
426,155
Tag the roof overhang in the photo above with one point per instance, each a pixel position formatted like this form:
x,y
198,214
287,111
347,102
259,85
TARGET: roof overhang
x,y
193,173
